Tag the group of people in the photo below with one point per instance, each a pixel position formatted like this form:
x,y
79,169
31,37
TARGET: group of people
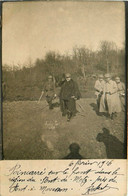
x,y
68,95
110,95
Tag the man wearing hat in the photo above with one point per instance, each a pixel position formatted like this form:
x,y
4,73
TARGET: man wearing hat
x,y
69,93
49,91
99,85
110,98
121,92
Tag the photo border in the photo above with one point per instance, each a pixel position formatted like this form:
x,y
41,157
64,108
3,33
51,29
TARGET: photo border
x,y
126,67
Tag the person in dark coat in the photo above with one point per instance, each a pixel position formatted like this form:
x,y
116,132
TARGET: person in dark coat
x,y
62,108
49,90
69,93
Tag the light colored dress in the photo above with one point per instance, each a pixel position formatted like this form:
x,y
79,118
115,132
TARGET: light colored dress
x,y
112,99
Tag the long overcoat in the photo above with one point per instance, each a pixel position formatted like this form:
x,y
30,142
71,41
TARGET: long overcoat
x,y
111,99
99,85
69,89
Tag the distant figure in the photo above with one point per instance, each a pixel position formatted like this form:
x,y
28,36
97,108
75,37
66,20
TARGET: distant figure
x,y
110,101
121,91
69,93
49,91
99,86
114,147
74,152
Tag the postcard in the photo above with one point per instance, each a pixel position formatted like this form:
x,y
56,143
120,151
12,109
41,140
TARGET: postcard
x,y
63,98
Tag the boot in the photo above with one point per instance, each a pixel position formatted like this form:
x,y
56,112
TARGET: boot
x,y
69,115
50,106
112,116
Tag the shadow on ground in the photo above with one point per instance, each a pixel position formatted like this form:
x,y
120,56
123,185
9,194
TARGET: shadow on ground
x,y
114,147
74,152
94,107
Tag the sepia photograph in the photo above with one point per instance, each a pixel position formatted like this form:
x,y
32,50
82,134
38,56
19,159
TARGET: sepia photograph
x,y
63,80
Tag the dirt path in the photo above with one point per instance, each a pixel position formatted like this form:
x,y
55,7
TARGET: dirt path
x,y
31,131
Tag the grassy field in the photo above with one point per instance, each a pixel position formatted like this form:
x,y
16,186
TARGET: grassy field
x,y
32,131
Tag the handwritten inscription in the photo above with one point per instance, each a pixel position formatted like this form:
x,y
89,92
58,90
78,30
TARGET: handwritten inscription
x,y
90,177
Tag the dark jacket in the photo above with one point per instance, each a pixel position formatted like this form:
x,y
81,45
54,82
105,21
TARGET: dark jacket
x,y
69,89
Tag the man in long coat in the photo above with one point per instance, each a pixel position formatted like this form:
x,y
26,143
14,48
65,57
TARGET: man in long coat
x,y
110,100
68,95
99,86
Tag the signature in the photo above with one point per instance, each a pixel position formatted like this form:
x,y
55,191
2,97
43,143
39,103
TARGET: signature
x,y
100,188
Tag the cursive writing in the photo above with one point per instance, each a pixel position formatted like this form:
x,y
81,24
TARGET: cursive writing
x,y
86,177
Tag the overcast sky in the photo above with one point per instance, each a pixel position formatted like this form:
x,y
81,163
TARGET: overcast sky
x,y
30,29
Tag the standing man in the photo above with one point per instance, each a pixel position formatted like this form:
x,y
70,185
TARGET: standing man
x,y
110,99
49,91
99,86
121,92
68,95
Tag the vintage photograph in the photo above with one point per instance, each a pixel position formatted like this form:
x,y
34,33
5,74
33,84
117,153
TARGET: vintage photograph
x,y
63,80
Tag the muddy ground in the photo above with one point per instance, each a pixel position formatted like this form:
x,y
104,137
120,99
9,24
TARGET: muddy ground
x,y
32,131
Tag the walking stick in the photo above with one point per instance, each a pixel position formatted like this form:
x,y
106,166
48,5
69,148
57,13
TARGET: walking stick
x,y
41,96
80,106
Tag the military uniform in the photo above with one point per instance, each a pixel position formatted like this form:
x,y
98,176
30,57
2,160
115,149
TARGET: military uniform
x,y
110,99
99,86
49,90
